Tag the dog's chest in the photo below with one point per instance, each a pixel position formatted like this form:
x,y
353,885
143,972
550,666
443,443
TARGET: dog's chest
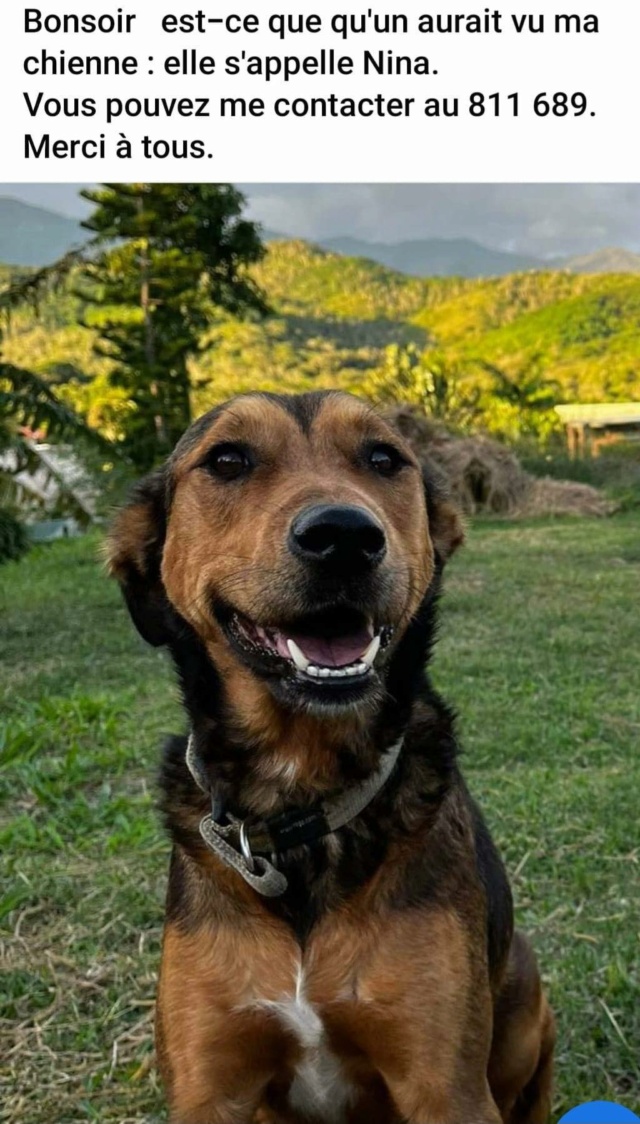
x,y
320,1090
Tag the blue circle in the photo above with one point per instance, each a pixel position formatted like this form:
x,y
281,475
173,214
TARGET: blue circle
x,y
600,1112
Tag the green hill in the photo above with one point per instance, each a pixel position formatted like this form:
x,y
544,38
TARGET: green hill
x,y
335,317
584,327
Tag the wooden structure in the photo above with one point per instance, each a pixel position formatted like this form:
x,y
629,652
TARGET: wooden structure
x,y
589,426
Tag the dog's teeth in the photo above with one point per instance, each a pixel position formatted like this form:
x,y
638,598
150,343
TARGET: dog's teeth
x,y
337,672
369,656
298,657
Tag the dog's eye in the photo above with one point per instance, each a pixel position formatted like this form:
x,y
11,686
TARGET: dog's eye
x,y
228,462
385,460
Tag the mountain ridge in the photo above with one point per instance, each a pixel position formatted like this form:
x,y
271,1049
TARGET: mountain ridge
x,y
34,236
463,257
435,257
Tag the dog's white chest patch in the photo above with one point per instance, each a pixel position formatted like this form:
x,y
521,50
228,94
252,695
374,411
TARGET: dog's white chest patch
x,y
319,1089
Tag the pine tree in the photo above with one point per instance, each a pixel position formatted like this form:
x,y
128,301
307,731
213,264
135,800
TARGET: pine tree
x,y
170,254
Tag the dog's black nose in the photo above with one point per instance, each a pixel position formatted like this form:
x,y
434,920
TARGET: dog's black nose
x,y
338,536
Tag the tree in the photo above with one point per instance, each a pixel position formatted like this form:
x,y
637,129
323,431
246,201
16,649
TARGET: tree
x,y
170,254
427,380
524,400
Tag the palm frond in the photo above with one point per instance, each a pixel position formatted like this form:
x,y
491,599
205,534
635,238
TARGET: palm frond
x,y
30,401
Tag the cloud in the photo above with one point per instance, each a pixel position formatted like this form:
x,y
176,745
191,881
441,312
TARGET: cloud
x,y
542,219
539,219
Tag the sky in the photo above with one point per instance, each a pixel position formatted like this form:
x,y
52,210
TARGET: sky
x,y
539,219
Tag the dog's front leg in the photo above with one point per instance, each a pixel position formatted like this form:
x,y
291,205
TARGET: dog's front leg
x,y
217,1050
422,1016
210,1074
419,1103
208,1113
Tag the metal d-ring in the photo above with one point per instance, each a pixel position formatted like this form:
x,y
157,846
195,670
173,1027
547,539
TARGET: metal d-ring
x,y
245,848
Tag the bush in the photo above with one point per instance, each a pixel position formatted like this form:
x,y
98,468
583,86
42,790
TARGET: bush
x,y
14,540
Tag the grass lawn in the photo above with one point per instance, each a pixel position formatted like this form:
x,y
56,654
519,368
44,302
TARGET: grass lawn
x,y
540,651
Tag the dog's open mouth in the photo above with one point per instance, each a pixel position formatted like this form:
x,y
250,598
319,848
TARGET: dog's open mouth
x,y
334,647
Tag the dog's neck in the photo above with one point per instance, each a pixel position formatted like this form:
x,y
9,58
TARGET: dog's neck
x,y
261,758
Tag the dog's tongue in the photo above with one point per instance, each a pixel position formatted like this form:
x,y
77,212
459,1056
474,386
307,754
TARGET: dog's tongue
x,y
339,651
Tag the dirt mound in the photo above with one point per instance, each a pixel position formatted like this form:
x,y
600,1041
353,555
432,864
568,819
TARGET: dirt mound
x,y
484,476
546,496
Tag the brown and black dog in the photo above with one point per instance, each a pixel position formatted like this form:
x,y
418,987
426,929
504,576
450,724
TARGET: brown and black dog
x,y
289,555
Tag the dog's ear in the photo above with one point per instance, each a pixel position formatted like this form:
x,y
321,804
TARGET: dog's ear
x,y
134,557
445,521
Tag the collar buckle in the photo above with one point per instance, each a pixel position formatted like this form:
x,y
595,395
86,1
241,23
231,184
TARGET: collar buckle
x,y
257,872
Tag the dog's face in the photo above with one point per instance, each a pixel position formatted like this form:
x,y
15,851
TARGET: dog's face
x,y
295,537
